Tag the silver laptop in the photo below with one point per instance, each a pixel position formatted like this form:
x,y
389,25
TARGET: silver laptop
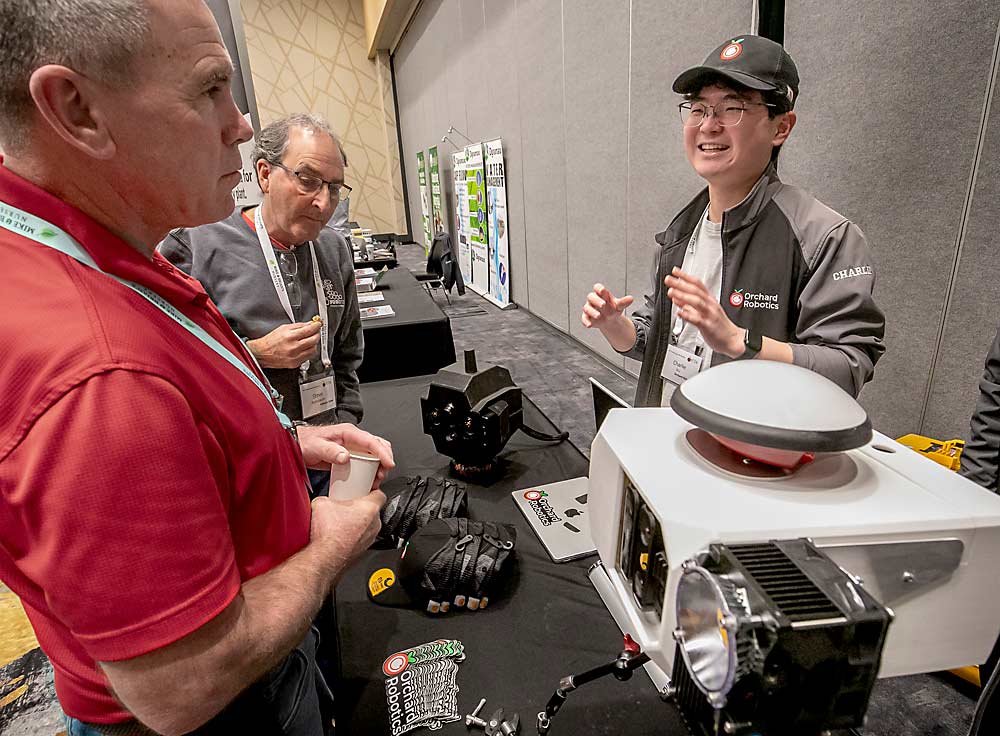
x,y
559,516
604,401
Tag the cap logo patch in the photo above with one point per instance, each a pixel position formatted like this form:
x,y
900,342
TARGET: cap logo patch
x,y
395,664
731,51
381,580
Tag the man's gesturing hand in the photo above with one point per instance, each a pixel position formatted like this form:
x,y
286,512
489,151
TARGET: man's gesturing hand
x,y
287,346
699,308
601,307
603,311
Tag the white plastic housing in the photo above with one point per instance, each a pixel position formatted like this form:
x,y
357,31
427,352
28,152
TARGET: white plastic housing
x,y
856,497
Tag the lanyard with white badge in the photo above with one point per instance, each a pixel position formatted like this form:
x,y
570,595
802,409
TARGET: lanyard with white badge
x,y
45,233
680,364
319,395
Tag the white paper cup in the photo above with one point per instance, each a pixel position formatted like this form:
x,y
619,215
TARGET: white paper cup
x,y
355,478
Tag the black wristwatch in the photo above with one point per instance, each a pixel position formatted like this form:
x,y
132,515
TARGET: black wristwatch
x,y
752,343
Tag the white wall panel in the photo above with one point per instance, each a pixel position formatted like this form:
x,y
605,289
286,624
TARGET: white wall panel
x,y
539,58
596,57
888,122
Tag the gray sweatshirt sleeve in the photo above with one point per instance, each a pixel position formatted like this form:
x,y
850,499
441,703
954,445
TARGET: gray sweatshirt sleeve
x,y
176,249
350,348
642,316
981,456
840,329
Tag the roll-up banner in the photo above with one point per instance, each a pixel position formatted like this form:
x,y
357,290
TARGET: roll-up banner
x,y
228,15
461,215
437,212
496,220
475,187
425,201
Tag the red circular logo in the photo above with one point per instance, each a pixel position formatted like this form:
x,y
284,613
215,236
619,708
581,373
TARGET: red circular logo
x,y
736,299
532,495
731,51
395,664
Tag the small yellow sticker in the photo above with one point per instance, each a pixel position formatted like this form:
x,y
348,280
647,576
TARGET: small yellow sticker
x,y
644,560
381,580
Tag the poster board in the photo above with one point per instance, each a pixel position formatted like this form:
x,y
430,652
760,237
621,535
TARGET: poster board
x,y
475,188
425,202
437,211
461,215
498,255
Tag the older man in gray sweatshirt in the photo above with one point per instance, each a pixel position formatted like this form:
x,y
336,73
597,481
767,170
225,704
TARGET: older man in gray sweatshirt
x,y
285,281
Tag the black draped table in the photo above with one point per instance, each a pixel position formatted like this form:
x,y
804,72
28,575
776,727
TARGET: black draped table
x,y
415,341
550,624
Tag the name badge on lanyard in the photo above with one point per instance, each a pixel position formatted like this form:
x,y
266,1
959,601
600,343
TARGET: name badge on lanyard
x,y
680,365
317,394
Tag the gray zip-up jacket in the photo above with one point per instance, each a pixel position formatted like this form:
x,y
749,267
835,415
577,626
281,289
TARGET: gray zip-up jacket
x,y
792,269
981,456
225,257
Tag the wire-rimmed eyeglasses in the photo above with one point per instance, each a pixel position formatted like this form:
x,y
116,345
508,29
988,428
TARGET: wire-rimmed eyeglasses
x,y
727,113
309,184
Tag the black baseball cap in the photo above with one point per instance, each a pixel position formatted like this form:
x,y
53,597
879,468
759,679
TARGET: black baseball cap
x,y
446,563
750,61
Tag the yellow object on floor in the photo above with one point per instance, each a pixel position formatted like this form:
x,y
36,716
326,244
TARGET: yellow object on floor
x,y
947,453
16,635
969,674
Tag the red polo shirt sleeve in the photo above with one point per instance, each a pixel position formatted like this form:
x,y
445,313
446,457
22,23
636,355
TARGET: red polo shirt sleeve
x,y
129,539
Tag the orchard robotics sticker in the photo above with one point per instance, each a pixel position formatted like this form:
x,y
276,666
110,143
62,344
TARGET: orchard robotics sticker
x,y
732,50
395,663
534,495
736,298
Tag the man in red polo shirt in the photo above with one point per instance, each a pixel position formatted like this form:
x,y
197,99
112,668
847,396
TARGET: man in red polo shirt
x,y
153,511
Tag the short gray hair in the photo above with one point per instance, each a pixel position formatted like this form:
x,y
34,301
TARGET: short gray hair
x,y
272,141
98,38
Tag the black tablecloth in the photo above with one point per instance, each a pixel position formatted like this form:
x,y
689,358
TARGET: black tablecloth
x,y
551,625
415,341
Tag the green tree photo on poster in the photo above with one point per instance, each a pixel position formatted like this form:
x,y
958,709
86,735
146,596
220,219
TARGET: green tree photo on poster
x,y
437,211
425,203
475,190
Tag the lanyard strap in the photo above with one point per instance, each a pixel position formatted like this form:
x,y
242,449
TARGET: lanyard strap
x,y
678,323
43,232
274,270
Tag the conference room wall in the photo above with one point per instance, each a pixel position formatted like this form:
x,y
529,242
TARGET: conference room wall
x,y
876,140
583,146
889,122
974,310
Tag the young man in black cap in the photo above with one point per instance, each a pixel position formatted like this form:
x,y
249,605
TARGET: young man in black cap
x,y
752,267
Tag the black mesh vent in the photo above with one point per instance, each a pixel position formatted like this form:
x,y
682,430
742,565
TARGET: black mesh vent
x,y
792,592
691,702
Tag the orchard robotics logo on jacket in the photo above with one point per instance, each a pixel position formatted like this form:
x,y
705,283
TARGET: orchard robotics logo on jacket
x,y
753,300
539,504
